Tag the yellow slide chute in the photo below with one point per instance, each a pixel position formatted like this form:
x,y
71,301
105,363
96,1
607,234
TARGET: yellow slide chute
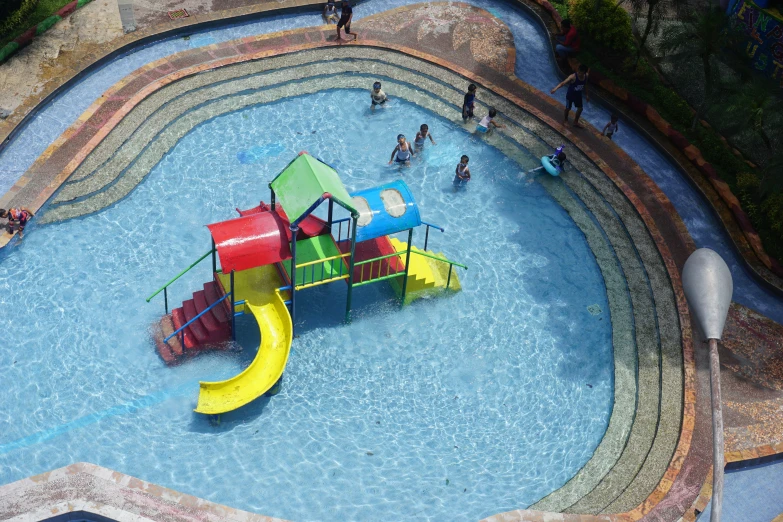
x,y
258,287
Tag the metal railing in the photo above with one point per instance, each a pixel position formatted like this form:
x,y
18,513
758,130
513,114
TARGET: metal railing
x,y
326,276
164,288
427,232
339,223
380,277
181,329
451,263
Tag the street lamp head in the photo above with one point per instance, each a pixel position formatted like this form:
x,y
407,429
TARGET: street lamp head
x,y
708,287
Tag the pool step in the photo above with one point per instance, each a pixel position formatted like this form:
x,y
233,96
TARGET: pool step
x,y
211,330
425,275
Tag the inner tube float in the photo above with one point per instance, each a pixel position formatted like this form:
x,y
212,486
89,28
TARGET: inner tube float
x,y
549,166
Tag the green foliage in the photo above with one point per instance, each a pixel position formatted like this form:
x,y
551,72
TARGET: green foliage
x,y
678,112
13,20
609,26
747,192
43,9
561,7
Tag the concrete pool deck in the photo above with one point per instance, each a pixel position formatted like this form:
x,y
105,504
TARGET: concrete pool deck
x,y
424,53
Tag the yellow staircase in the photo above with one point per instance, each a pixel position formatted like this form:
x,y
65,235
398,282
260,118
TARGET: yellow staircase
x,y
425,275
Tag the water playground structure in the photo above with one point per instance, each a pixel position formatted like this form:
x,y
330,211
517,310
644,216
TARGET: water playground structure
x,y
271,252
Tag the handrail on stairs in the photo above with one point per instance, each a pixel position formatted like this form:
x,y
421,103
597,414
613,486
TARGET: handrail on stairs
x,y
443,260
427,232
205,310
165,287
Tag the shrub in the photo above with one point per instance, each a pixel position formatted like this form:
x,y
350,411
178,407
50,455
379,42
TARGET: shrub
x,y
609,27
747,190
676,109
16,18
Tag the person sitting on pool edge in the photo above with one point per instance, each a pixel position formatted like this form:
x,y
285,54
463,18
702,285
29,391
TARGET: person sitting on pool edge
x,y
487,123
330,13
421,137
17,217
377,96
346,15
462,173
402,153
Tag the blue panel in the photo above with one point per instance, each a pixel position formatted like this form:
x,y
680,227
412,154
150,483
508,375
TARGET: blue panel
x,y
389,208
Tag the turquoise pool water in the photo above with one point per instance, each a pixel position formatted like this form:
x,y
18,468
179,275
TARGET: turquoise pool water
x,y
451,409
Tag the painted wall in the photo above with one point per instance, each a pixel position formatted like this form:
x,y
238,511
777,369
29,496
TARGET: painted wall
x,y
765,38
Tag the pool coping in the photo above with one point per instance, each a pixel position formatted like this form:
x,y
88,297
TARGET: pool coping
x,y
684,441
88,488
146,35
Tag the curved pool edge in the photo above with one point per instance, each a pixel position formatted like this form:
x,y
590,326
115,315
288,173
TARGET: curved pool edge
x,y
598,161
86,489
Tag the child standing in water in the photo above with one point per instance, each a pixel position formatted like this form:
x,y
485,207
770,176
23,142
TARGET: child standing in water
x,y
577,84
377,96
487,122
468,103
462,174
611,127
421,137
402,153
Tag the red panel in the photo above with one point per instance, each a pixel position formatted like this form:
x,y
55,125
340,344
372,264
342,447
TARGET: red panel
x,y
372,248
250,241
311,226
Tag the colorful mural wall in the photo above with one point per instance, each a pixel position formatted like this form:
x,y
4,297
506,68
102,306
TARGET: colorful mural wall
x,y
765,32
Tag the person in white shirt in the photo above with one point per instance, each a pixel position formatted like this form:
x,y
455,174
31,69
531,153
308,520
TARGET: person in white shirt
x,y
487,123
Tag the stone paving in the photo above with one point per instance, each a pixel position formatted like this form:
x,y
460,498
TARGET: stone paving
x,y
655,455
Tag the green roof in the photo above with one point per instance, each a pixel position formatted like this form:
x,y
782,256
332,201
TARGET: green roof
x,y
305,180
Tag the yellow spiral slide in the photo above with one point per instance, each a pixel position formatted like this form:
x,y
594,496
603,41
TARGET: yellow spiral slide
x,y
258,287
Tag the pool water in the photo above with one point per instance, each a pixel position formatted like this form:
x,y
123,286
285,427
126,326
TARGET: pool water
x,y
452,408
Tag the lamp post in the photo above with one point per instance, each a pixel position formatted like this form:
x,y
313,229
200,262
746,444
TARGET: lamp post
x,y
707,283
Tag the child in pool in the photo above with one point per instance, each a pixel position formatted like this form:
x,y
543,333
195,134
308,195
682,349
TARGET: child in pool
x,y
487,123
402,153
611,127
377,96
17,218
468,103
558,159
462,174
421,137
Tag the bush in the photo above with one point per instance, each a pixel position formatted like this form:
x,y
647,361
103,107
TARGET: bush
x,y
676,110
609,27
12,22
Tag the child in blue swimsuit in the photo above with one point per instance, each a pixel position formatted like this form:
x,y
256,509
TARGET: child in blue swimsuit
x,y
402,153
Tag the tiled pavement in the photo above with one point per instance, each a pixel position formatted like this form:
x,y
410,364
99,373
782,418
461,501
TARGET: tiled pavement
x,y
649,224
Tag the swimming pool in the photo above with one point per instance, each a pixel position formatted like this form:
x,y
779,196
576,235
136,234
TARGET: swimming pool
x,y
452,408
534,65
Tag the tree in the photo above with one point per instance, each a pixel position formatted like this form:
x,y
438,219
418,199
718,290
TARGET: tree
x,y
749,107
654,10
703,35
